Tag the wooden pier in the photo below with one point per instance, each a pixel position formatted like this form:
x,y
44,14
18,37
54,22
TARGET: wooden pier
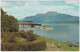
x,y
28,24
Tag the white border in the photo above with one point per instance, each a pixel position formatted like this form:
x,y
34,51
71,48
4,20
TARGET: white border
x,y
37,0
79,25
0,25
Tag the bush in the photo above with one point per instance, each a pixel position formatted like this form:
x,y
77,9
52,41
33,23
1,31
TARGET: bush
x,y
30,35
22,34
36,45
8,37
20,40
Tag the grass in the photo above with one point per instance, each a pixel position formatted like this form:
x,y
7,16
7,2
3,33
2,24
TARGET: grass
x,y
50,40
68,48
63,45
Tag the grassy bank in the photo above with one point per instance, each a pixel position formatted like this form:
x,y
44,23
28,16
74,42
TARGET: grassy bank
x,y
65,46
68,48
35,45
21,41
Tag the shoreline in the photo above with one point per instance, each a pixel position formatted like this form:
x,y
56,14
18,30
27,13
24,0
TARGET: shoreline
x,y
66,42
32,24
56,39
64,45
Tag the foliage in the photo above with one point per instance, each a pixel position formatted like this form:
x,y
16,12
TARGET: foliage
x,y
30,35
20,40
8,22
8,37
23,41
12,39
36,45
22,34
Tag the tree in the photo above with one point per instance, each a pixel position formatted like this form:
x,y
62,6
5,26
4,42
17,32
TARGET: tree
x,y
8,22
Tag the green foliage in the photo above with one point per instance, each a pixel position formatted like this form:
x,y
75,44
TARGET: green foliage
x,y
20,40
11,39
8,23
30,35
8,37
22,34
36,45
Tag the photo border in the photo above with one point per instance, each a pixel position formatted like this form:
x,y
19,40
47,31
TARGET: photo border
x,y
39,0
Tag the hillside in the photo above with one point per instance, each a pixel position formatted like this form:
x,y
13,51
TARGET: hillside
x,y
52,17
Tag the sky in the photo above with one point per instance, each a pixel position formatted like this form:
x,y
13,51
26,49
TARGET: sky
x,y
22,9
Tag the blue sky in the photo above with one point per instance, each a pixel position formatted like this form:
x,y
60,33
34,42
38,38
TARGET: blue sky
x,y
21,9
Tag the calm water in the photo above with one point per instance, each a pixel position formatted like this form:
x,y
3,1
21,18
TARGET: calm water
x,y
61,31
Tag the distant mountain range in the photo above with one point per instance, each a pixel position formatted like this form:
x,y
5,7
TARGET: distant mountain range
x,y
52,17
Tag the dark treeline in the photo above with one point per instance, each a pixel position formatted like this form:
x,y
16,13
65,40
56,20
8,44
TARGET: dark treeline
x,y
8,22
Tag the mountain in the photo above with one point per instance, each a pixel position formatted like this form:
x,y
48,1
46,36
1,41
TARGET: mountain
x,y
52,17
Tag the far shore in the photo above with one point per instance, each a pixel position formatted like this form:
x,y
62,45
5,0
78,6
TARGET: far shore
x,y
34,25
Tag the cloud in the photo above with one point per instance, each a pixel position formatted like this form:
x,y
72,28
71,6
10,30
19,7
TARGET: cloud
x,y
76,3
32,3
6,4
33,8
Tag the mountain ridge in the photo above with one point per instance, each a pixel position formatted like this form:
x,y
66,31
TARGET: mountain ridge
x,y
51,17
